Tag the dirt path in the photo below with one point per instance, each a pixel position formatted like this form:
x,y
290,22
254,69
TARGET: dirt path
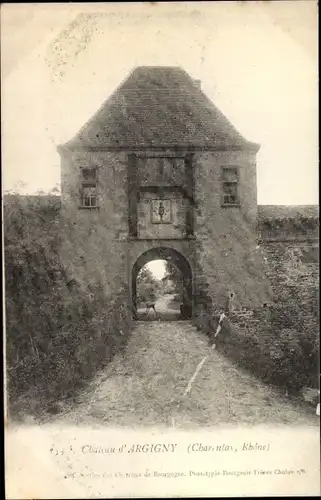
x,y
167,310
145,386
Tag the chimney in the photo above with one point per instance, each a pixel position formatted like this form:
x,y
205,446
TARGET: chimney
x,y
198,84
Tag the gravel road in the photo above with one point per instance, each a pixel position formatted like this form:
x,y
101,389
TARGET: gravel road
x,y
145,385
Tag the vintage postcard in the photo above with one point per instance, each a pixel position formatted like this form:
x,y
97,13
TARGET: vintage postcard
x,y
161,249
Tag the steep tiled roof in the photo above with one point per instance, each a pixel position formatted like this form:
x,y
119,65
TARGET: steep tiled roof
x,y
282,212
159,106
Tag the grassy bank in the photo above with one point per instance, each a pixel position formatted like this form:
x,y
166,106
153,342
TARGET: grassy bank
x,y
57,334
280,346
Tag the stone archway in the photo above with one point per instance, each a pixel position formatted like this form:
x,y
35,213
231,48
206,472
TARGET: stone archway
x,y
178,260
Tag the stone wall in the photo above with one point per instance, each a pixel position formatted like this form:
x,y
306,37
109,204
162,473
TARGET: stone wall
x,y
228,259
96,245
279,341
290,247
232,263
292,268
94,240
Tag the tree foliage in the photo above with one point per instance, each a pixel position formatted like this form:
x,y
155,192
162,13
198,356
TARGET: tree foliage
x,y
147,285
174,275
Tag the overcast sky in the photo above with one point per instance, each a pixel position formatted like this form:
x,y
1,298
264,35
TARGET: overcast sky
x,y
257,62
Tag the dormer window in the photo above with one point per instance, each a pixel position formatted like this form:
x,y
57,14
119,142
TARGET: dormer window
x,y
230,186
89,188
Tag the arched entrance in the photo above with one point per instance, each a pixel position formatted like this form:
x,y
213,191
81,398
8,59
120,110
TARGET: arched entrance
x,y
175,259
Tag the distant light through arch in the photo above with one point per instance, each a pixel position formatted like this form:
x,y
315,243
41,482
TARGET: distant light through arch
x,y
157,267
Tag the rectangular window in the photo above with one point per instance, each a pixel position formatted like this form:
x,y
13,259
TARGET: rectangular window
x,y
89,188
89,174
89,196
230,186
